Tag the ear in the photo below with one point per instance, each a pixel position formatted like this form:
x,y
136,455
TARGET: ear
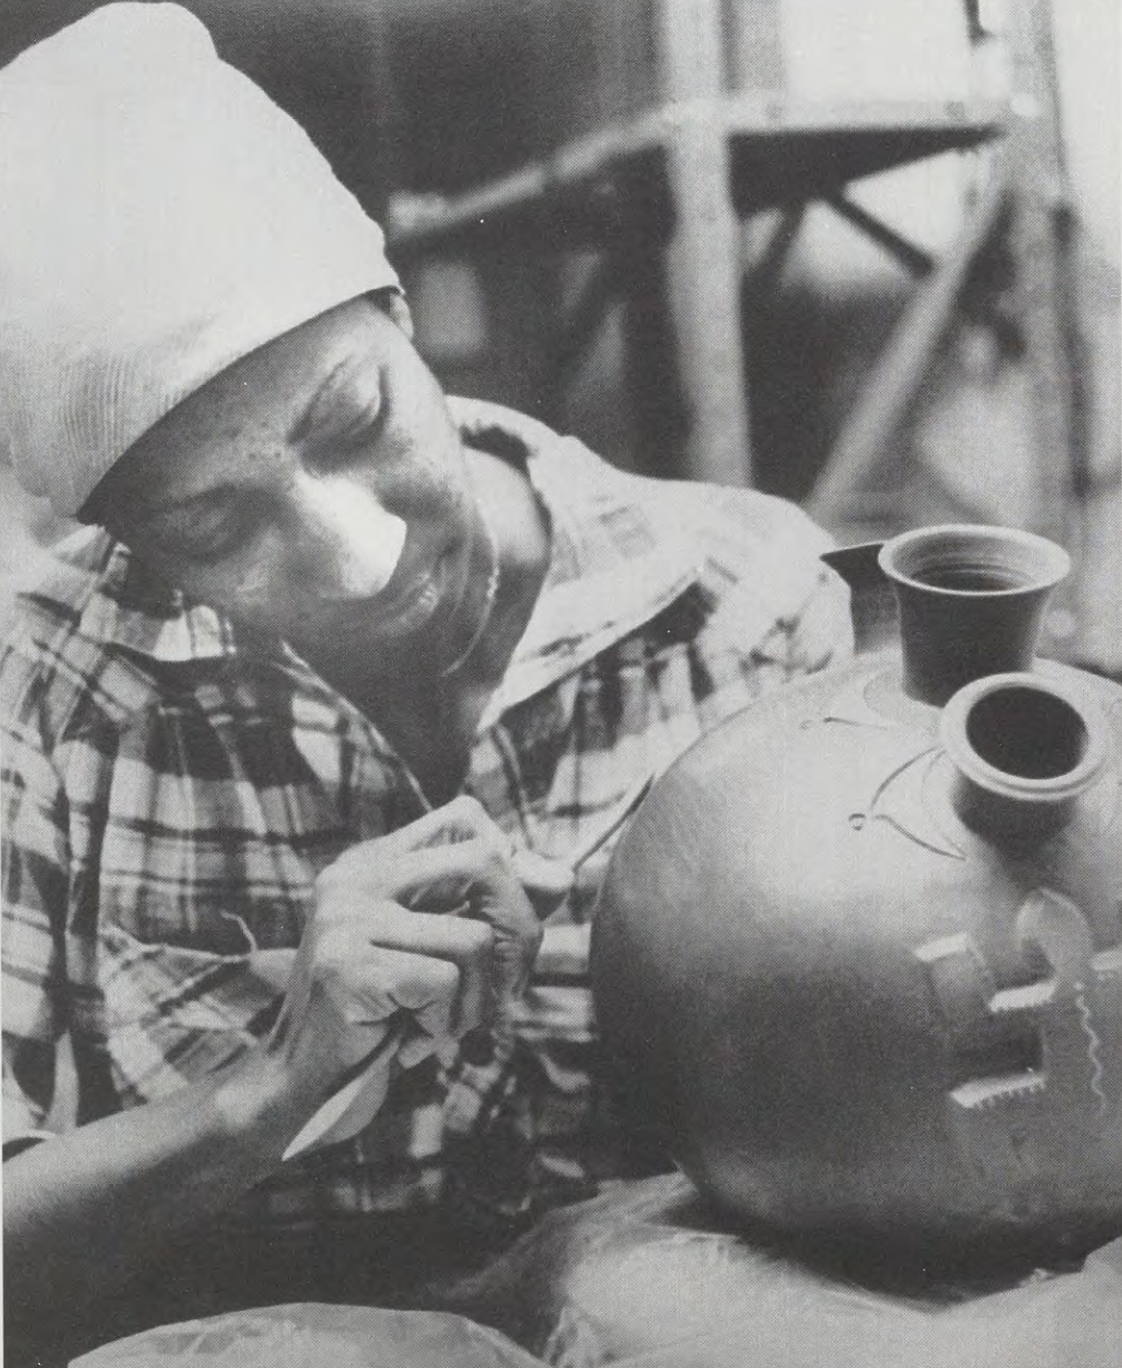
x,y
394,303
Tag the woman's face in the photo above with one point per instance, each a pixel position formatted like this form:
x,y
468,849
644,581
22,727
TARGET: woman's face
x,y
316,490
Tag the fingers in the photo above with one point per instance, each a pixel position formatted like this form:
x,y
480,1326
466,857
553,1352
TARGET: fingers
x,y
463,819
419,940
388,944
474,878
439,879
445,878
469,878
453,860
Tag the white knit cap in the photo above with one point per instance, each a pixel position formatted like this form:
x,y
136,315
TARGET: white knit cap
x,y
160,217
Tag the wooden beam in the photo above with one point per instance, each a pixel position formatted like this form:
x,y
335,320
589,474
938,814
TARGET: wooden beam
x,y
763,275
761,115
755,44
582,320
975,305
1042,247
897,380
703,262
587,168
911,257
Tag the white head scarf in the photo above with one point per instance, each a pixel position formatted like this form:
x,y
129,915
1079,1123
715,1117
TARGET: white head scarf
x,y
160,217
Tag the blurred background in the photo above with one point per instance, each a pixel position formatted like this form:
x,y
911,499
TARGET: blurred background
x,y
863,255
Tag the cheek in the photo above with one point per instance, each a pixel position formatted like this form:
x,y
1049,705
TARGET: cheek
x,y
253,590
421,455
252,587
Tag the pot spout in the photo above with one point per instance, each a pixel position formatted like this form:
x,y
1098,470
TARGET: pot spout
x,y
1024,749
971,602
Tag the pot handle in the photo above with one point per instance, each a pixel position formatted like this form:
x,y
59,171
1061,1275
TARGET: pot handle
x,y
872,600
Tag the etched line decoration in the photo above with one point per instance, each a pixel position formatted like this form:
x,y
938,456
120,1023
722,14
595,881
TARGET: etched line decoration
x,y
900,801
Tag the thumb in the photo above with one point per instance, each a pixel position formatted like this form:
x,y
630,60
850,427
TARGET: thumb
x,y
547,882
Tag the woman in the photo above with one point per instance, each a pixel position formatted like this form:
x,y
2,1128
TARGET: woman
x,y
304,732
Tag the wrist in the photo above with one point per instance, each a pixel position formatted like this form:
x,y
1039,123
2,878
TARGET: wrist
x,y
261,1101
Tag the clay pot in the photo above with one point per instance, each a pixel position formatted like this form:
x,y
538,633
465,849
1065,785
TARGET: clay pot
x,y
860,955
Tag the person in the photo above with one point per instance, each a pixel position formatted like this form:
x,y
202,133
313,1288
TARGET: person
x,y
303,733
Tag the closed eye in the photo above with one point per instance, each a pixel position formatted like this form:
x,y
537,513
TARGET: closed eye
x,y
345,413
331,447
212,527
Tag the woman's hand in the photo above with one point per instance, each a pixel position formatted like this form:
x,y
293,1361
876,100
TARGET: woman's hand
x,y
417,939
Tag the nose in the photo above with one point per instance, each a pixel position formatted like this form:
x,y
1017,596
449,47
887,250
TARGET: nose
x,y
349,542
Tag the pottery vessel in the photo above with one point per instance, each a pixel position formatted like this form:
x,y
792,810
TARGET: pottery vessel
x,y
859,956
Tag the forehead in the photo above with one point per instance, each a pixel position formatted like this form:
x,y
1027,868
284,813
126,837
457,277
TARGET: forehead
x,y
252,404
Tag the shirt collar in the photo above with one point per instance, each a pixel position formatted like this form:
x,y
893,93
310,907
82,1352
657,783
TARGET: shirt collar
x,y
612,567
133,609
615,560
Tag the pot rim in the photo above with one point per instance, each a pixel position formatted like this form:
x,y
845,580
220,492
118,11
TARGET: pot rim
x,y
1057,562
955,740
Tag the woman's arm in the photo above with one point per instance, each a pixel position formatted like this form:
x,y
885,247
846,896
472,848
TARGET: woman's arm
x,y
88,1209
427,926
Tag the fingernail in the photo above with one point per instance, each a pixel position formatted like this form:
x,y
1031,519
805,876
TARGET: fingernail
x,y
478,1046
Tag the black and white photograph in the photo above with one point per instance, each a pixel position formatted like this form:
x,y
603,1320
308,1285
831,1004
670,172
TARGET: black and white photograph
x,y
561,683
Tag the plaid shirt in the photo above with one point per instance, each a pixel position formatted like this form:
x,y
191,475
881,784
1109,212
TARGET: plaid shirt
x,y
171,789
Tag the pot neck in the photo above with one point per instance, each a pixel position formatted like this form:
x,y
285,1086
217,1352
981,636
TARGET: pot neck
x,y
1024,749
971,602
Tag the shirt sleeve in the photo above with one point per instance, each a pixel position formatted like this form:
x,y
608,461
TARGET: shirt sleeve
x,y
823,633
35,881
778,604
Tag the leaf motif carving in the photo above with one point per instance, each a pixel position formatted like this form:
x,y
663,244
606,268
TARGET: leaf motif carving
x,y
901,800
